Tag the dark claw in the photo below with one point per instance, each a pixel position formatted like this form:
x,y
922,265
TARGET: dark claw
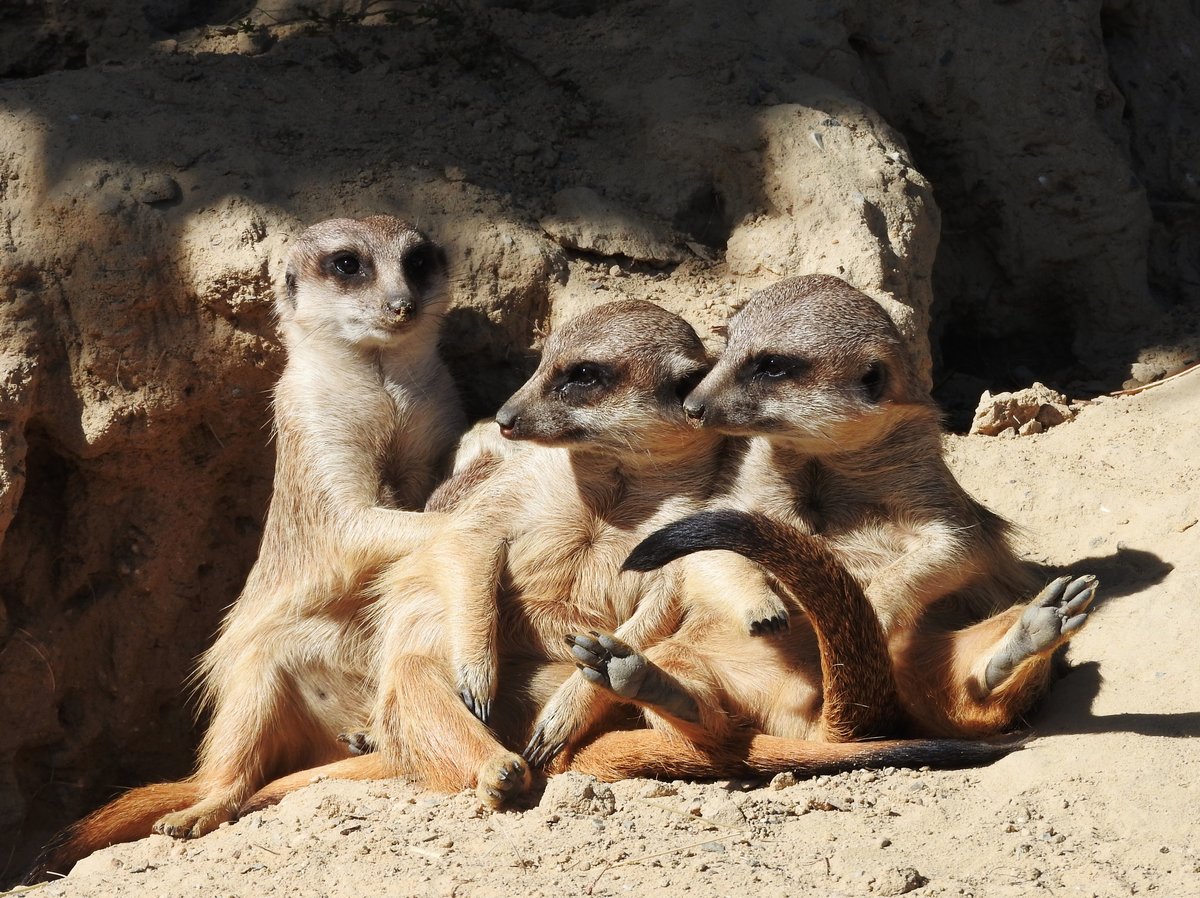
x,y
482,710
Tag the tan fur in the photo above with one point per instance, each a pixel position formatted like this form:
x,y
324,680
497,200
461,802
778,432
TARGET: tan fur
x,y
845,444
365,415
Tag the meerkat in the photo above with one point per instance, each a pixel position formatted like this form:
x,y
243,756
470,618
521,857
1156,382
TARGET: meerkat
x,y
845,443
365,417
609,457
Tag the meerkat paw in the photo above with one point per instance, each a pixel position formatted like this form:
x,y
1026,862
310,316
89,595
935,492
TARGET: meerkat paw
x,y
357,742
607,662
768,617
196,821
502,779
477,687
1051,618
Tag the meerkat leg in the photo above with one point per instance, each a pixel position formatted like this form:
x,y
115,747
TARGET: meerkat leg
x,y
977,681
576,706
260,728
470,579
738,587
1051,618
423,729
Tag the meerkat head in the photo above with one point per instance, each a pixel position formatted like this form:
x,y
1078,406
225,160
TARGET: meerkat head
x,y
613,379
370,282
813,361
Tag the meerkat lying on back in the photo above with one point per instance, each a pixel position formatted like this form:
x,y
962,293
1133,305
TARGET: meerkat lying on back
x,y
365,415
846,445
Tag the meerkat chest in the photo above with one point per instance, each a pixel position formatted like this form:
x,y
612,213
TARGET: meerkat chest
x,y
422,424
850,515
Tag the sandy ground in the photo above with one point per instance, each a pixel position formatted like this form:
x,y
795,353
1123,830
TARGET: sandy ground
x,y
1102,802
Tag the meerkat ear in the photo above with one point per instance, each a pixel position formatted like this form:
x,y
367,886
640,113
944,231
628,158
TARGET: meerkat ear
x,y
874,381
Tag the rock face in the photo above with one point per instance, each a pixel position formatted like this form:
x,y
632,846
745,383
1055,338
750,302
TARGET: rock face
x,y
154,163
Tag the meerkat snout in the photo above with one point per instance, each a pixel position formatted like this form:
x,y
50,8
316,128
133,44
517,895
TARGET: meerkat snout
x,y
694,409
402,306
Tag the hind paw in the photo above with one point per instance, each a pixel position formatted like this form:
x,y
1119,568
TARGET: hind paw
x,y
609,663
503,779
196,821
1051,618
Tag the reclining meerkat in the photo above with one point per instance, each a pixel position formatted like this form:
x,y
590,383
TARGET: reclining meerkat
x,y
365,415
534,553
846,444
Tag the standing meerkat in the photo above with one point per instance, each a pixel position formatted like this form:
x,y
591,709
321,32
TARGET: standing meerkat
x,y
365,415
846,444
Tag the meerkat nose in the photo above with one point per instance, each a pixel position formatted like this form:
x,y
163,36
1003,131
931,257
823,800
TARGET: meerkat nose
x,y
507,420
401,305
694,410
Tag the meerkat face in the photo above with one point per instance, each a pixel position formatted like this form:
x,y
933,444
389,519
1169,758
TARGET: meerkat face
x,y
612,379
369,282
810,360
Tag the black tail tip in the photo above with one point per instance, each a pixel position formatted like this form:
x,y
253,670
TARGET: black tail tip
x,y
723,529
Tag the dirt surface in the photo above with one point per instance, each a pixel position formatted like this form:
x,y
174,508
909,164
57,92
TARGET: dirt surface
x,y
1102,802
1015,183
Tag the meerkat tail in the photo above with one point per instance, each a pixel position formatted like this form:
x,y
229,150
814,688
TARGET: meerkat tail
x,y
127,818
650,753
769,755
861,697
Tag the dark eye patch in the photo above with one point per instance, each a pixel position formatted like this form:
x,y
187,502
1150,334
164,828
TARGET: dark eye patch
x,y
689,382
423,263
579,381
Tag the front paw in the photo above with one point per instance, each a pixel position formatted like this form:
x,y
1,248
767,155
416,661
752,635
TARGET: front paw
x,y
768,617
357,742
196,821
476,684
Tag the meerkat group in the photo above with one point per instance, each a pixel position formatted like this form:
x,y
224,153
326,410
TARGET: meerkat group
x,y
557,604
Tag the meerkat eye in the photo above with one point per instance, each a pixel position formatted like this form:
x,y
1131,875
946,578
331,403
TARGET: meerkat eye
x,y
874,380
584,375
773,366
346,264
